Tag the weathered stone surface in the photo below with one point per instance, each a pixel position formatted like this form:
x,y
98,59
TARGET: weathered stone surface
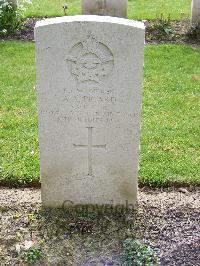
x,y
195,11
89,79
105,7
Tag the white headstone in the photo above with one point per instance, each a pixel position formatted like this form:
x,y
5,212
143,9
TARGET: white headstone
x,y
195,11
115,8
89,81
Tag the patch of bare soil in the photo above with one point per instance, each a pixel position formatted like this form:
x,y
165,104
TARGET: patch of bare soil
x,y
167,221
178,32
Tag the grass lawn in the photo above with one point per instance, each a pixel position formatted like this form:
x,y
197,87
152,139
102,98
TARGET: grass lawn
x,y
170,149
137,9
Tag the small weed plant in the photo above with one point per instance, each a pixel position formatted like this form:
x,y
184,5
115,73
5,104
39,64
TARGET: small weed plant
x,y
163,25
32,255
11,16
138,254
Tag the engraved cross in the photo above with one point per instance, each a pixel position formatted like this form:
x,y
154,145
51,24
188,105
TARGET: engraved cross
x,y
90,146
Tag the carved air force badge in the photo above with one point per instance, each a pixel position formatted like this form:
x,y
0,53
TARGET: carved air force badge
x,y
90,61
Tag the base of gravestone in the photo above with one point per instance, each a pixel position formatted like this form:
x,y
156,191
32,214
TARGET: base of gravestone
x,y
105,8
195,12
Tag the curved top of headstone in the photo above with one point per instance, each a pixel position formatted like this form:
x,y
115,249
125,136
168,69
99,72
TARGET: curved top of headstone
x,y
91,18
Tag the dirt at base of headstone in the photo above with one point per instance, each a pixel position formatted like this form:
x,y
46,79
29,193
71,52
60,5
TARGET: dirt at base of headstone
x,y
179,33
168,221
